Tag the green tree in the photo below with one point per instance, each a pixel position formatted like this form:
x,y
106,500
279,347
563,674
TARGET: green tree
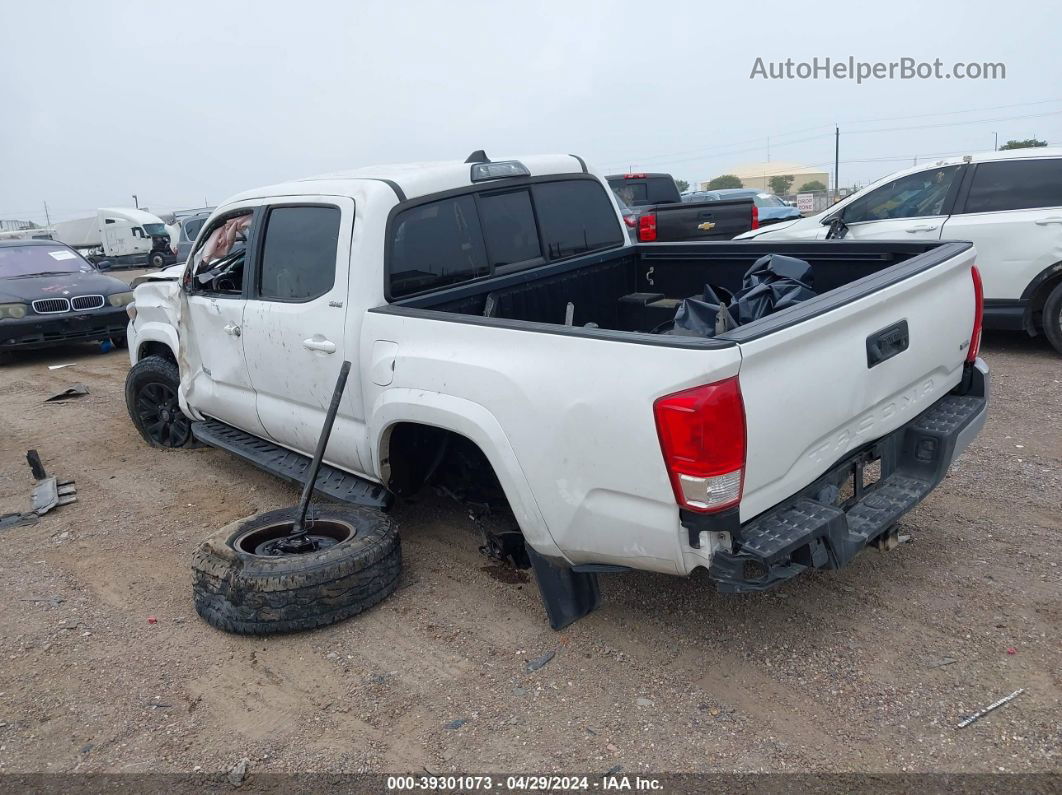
x,y
1028,143
725,181
682,185
811,187
780,184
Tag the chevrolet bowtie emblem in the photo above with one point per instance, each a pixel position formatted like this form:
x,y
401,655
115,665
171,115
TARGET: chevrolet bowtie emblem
x,y
707,226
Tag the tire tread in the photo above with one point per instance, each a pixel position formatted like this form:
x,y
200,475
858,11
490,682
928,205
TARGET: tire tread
x,y
246,594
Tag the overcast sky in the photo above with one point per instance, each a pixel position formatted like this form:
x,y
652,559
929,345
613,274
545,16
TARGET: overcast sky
x,y
186,101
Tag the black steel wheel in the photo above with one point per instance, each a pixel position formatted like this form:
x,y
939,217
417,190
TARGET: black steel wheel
x,y
151,398
157,260
244,581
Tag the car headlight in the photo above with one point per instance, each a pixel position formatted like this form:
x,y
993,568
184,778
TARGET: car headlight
x,y
131,311
13,311
120,299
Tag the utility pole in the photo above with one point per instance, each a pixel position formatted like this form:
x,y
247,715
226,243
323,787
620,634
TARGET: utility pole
x,y
46,215
768,149
136,201
995,146
836,162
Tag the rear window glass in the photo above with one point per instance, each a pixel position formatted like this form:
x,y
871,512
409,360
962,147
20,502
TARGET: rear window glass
x,y
1017,185
435,245
631,192
575,217
765,200
299,253
455,240
509,229
662,190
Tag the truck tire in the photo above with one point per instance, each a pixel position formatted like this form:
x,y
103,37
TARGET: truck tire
x,y
1052,317
238,587
151,399
157,260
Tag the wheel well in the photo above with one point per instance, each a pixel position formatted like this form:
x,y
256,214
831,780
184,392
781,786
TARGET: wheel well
x,y
415,455
1034,312
160,349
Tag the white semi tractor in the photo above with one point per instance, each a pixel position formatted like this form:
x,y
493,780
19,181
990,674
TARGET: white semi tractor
x,y
121,235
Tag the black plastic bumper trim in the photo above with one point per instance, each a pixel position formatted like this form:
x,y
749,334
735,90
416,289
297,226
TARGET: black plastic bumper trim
x,y
727,521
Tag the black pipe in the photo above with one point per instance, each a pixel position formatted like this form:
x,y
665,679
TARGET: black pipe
x,y
322,443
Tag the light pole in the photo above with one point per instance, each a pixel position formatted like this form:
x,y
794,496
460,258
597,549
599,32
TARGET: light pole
x,y
836,163
136,202
995,144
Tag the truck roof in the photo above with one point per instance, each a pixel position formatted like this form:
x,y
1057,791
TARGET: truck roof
x,y
412,180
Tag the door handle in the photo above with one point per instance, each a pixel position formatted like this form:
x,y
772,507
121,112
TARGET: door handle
x,y
233,329
322,345
887,343
1054,219
922,228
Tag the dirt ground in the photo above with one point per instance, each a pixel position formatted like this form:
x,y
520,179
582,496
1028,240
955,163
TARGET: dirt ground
x,y
864,669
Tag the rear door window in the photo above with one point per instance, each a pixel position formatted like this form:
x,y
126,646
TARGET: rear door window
x,y
436,244
1015,185
509,230
299,253
575,216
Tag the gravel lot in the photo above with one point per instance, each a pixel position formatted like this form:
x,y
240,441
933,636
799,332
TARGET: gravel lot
x,y
868,668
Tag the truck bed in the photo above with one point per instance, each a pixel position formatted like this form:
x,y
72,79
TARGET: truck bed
x,y
599,286
883,340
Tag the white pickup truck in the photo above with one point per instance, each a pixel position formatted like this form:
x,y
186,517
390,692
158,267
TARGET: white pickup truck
x,y
498,310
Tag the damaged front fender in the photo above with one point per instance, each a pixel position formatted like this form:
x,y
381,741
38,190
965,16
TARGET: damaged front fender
x,y
156,305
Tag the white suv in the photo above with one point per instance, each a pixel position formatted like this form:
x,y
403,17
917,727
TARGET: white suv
x,y
1009,204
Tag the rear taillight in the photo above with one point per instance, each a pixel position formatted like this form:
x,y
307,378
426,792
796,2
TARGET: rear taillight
x,y
702,436
647,227
755,217
979,314
634,176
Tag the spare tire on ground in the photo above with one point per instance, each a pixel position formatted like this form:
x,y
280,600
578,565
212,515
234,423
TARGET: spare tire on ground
x,y
243,584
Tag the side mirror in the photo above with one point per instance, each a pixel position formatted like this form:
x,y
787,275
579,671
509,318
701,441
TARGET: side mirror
x,y
838,229
103,265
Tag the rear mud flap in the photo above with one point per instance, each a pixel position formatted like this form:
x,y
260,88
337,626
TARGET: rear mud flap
x,y
568,595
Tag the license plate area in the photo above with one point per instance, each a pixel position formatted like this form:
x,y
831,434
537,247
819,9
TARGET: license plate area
x,y
860,476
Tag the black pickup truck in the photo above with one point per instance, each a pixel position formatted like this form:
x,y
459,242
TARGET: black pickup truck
x,y
663,217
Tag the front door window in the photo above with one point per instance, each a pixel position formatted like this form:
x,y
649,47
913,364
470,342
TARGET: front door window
x,y
913,196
